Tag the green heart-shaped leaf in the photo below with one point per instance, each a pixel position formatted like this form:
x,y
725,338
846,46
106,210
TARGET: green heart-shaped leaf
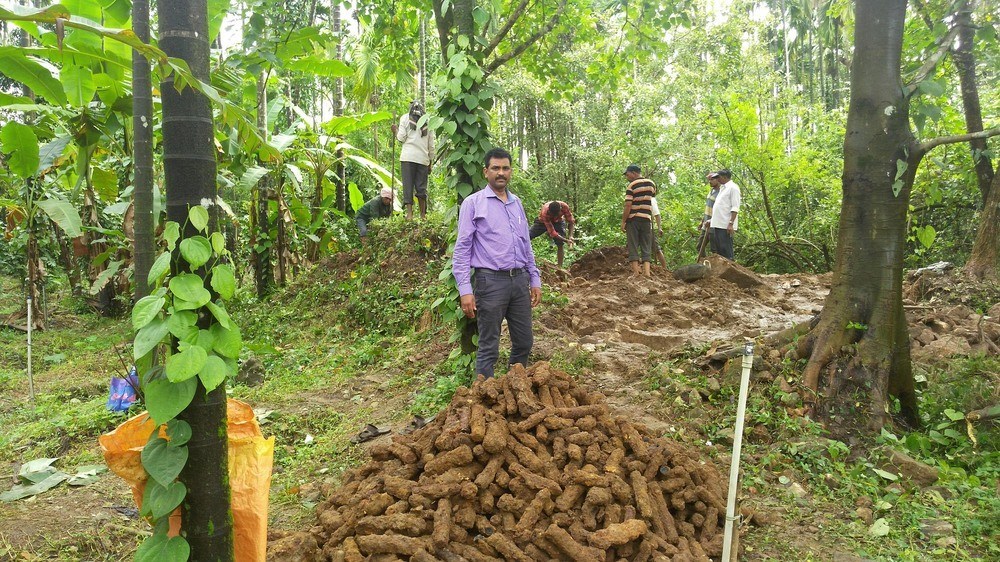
x,y
185,364
196,250
148,337
190,288
165,399
159,501
178,432
160,548
181,322
218,242
228,342
224,281
161,461
220,314
213,373
198,216
171,232
159,268
145,310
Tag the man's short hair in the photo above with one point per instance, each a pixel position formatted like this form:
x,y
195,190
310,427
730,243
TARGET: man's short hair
x,y
554,208
499,154
633,168
725,173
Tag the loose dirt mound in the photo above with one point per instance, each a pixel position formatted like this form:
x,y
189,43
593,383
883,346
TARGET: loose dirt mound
x,y
610,260
530,466
664,313
945,313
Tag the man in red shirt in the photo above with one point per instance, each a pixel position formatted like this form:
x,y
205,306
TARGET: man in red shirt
x,y
552,219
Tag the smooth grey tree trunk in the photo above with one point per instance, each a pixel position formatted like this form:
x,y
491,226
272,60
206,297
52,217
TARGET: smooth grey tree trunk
x,y
864,309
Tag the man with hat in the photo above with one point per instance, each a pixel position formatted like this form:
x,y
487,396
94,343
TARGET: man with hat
x,y
705,243
377,208
724,215
637,219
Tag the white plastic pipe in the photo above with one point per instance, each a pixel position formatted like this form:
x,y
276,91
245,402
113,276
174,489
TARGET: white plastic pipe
x,y
734,467
31,380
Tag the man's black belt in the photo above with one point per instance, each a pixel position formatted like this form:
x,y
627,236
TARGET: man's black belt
x,y
502,272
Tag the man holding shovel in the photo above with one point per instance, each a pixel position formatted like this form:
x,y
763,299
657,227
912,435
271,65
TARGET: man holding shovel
x,y
556,219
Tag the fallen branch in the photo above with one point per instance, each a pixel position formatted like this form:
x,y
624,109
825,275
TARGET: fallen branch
x,y
984,414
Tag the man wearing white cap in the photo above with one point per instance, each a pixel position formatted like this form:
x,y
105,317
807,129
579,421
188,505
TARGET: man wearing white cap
x,y
379,207
725,215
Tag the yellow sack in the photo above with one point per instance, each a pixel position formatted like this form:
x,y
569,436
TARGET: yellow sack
x,y
250,459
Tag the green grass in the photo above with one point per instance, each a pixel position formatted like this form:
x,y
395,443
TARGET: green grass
x,y
782,448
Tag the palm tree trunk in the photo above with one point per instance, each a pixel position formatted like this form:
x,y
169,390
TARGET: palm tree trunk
x,y
965,63
338,110
189,175
142,152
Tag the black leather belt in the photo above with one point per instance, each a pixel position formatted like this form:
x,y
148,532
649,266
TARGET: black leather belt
x,y
502,272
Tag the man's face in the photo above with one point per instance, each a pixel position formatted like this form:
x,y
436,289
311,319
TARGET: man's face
x,y
714,182
498,172
631,176
387,200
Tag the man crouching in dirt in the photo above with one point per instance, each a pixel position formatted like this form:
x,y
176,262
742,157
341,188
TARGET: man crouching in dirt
x,y
552,219
493,239
637,219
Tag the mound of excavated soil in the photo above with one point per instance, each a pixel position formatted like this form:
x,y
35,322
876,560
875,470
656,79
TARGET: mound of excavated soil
x,y
609,260
941,309
529,466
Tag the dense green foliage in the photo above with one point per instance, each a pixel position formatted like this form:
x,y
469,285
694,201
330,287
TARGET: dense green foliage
x,y
575,90
735,90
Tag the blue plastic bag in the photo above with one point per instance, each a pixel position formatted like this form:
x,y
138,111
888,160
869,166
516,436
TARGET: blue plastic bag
x,y
122,393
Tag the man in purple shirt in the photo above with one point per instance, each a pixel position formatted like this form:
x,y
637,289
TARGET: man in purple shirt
x,y
493,239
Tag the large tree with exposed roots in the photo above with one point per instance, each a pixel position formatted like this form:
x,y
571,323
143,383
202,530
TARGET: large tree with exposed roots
x,y
859,351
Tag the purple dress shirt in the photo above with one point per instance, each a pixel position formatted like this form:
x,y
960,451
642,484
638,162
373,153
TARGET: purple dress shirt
x,y
492,235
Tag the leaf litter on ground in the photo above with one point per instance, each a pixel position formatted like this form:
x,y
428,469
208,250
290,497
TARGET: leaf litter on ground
x,y
39,476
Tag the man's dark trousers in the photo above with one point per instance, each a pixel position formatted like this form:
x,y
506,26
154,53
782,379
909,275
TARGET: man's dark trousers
x,y
499,295
722,243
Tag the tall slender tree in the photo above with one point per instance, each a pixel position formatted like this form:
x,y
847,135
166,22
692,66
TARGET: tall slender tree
x,y
965,63
142,152
190,178
338,109
263,194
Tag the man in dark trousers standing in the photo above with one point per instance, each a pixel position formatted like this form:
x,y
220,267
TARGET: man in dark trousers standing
x,y
705,242
637,219
724,215
493,239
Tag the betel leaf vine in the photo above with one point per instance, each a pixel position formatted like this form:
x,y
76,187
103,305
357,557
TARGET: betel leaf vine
x,y
183,334
462,121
